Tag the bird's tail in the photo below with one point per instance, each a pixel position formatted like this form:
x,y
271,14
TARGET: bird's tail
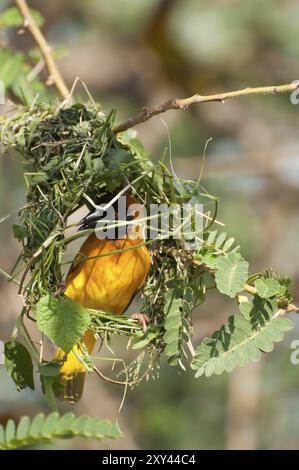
x,y
73,371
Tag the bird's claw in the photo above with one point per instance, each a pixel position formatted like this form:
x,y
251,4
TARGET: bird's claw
x,y
143,320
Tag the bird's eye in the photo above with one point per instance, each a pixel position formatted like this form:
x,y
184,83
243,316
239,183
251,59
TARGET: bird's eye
x,y
133,216
104,214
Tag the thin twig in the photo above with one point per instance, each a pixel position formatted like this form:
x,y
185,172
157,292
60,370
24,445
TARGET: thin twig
x,y
108,379
41,348
291,308
8,277
55,77
176,103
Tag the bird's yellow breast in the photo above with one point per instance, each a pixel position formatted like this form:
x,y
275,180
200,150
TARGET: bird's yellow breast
x,y
108,283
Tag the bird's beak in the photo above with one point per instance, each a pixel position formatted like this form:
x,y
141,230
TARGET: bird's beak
x,y
90,220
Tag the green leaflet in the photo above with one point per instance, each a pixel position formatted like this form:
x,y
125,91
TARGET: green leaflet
x,y
231,274
19,232
50,369
219,243
258,310
47,385
10,66
18,364
172,325
177,310
210,260
240,341
62,320
11,17
147,339
46,428
220,240
267,287
214,246
14,71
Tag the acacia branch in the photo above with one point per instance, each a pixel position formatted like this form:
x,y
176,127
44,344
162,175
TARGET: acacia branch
x,y
184,103
55,77
248,288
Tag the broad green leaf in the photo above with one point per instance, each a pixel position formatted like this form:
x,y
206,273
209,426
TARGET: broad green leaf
x,y
231,274
62,320
18,364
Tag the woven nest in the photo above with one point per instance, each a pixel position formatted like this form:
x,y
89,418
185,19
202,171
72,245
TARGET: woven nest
x,y
72,157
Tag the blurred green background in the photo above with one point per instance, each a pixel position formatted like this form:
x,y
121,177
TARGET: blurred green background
x,y
131,53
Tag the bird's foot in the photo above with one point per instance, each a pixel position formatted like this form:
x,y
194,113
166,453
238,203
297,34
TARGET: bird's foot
x,y
143,320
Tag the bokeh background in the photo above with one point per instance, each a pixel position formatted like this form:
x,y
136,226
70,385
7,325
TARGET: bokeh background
x,y
131,53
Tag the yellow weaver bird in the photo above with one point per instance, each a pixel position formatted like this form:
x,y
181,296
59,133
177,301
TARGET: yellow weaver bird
x,y
107,283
